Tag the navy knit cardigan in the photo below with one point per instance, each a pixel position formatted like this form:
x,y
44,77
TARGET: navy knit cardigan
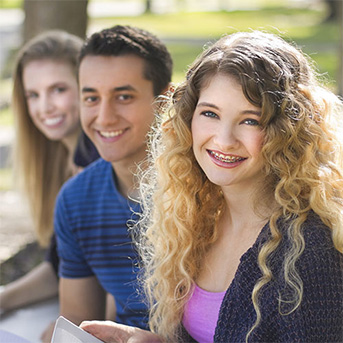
x,y
319,318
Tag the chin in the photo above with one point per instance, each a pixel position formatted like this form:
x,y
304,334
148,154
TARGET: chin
x,y
109,158
54,138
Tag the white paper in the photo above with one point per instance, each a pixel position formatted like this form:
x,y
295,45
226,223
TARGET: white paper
x,y
66,331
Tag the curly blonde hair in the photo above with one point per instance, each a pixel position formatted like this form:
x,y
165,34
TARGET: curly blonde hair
x,y
302,164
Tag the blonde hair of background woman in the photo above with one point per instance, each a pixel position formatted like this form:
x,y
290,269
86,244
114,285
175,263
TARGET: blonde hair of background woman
x,y
303,168
41,165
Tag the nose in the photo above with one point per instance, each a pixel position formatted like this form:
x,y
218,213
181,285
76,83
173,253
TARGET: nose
x,y
226,138
107,114
46,104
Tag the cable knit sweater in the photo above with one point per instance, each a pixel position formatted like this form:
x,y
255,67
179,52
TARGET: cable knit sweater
x,y
319,318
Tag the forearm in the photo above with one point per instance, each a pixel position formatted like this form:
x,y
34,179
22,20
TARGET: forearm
x,y
82,299
111,311
39,284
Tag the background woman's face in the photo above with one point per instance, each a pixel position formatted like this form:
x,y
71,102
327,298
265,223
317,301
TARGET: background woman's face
x,y
51,92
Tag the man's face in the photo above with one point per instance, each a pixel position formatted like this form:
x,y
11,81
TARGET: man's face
x,y
116,106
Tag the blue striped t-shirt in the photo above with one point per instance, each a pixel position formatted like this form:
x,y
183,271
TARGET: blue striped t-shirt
x,y
92,238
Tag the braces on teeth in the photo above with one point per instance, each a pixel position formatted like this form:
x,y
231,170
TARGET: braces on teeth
x,y
227,159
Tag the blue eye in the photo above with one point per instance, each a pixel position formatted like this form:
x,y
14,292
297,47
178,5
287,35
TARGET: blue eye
x,y
60,89
252,122
31,95
209,114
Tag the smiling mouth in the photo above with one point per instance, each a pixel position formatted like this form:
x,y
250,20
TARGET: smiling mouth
x,y
111,134
226,158
53,121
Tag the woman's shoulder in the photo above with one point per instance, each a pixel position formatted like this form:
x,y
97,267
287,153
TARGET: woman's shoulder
x,y
316,234
320,258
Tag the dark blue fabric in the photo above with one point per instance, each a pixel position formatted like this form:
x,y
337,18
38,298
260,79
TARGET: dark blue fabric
x,y
51,255
93,239
85,154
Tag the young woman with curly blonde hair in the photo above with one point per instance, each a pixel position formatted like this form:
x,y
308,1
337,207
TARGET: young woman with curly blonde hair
x,y
243,203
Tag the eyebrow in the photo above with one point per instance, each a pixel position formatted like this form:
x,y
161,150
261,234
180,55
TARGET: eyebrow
x,y
115,89
56,84
59,84
208,104
256,113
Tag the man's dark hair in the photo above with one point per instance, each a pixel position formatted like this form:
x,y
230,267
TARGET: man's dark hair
x,y
127,40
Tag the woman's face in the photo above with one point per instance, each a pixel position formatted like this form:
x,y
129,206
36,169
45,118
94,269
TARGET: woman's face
x,y
227,137
51,92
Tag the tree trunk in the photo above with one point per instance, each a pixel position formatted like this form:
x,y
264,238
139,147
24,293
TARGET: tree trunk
x,y
333,8
147,6
42,15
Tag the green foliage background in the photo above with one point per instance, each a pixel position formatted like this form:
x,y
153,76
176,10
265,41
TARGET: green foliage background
x,y
186,33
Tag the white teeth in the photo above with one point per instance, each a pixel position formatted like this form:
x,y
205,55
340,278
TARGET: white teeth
x,y
110,134
226,158
53,121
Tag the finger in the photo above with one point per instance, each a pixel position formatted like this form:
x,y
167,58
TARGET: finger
x,y
106,331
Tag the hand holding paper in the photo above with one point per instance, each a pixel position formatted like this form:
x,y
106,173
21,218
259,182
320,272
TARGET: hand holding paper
x,y
110,332
66,331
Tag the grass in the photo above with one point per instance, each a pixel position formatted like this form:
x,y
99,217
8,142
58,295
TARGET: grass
x,y
10,4
214,24
6,179
186,33
6,117
305,26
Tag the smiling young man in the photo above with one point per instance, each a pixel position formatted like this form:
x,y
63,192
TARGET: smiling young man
x,y
121,72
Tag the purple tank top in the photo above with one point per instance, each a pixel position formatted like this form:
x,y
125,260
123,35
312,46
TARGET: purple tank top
x,y
201,314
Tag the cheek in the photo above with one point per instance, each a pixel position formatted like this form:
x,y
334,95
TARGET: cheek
x,y
199,133
256,143
88,117
85,118
142,117
194,130
72,105
194,139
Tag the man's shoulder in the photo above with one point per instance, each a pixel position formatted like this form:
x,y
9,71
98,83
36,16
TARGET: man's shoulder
x,y
91,177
